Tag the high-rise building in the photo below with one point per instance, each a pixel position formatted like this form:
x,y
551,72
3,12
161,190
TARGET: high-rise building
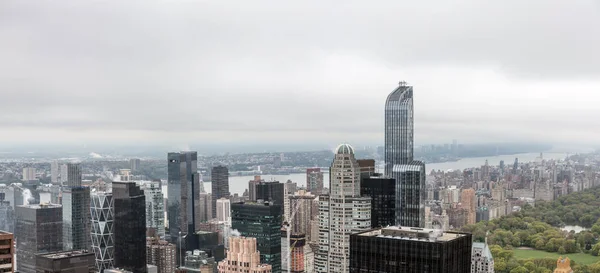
x,y
73,175
29,174
76,218
305,213
399,136
184,190
54,172
204,208
289,188
63,174
469,203
7,213
7,252
481,258
161,254
155,206
103,241
243,256
252,187
263,221
220,186
271,191
134,164
224,210
383,199
38,231
341,213
129,226
314,181
74,261
410,250
399,162
410,194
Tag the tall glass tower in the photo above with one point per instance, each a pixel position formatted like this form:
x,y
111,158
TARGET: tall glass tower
x,y
399,163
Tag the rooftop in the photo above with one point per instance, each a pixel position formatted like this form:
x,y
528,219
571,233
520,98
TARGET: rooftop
x,y
411,233
66,254
41,206
344,149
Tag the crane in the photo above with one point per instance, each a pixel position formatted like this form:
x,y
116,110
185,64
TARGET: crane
x,y
288,231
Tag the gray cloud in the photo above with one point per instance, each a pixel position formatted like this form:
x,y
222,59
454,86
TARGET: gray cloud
x,y
305,71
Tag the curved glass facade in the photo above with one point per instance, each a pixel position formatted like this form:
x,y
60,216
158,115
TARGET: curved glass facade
x,y
399,136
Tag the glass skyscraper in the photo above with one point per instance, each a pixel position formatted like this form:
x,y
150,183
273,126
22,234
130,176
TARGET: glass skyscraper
x,y
183,190
399,162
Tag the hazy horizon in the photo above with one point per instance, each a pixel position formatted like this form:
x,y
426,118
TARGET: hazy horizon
x,y
304,73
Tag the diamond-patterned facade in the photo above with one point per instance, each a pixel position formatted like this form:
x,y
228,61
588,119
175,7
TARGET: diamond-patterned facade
x,y
102,211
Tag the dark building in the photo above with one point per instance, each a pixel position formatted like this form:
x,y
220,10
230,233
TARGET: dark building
x,y
410,194
263,222
183,192
220,186
383,200
410,250
208,242
129,226
314,181
39,230
73,178
66,262
271,191
76,218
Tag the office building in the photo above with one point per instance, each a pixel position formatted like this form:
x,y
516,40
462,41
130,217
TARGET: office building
x,y
271,191
367,167
129,226
220,186
224,210
38,231
7,252
252,188
155,206
77,261
410,194
204,208
198,261
399,135
184,190
29,174
161,254
410,250
341,213
263,222
7,215
243,256
134,164
314,181
381,190
103,241
481,258
76,218
54,172
289,188
469,203
72,175
305,213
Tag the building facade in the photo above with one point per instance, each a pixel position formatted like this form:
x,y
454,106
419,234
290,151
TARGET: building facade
x,y
314,181
411,194
482,260
29,174
7,215
224,210
161,254
7,252
204,208
103,241
73,175
243,256
341,213
155,206
263,222
38,231
78,261
381,190
272,191
399,135
183,187
129,226
220,186
410,250
76,218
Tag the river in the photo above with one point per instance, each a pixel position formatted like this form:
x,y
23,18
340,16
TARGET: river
x,y
238,184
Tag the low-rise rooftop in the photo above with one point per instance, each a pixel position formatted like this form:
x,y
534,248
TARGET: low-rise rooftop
x,y
411,233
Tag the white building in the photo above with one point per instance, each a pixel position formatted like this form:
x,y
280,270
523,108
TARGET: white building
x,y
155,206
289,188
54,172
481,259
29,174
341,213
224,210
103,244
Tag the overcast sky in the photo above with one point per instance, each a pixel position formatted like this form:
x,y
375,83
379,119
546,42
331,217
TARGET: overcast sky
x,y
180,72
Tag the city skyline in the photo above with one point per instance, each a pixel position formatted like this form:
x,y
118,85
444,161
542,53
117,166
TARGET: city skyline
x,y
499,79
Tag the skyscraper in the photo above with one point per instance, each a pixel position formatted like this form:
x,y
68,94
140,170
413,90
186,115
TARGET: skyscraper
x,y
314,181
220,186
54,172
134,164
204,208
103,241
223,210
38,231
7,213
73,173
410,250
399,162
129,226
155,206
243,256
271,191
184,190
263,221
252,187
29,174
383,200
399,127
468,202
341,213
76,218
